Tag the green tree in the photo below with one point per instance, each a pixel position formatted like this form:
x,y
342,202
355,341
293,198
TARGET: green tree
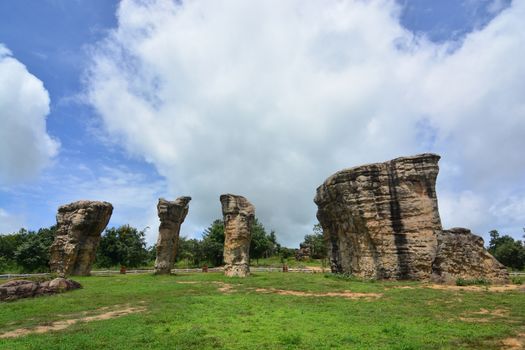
x,y
190,250
315,242
122,246
213,243
261,244
32,255
8,245
506,250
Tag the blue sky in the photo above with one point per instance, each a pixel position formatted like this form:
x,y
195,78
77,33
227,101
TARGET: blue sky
x,y
157,98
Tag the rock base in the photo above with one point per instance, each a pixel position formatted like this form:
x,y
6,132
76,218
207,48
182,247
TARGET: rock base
x,y
237,270
19,289
460,254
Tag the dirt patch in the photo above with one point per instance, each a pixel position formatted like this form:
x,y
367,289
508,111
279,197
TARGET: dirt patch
x,y
516,343
345,294
490,315
401,287
63,324
502,288
224,287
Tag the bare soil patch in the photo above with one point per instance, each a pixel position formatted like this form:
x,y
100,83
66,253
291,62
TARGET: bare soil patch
x,y
224,287
514,343
345,294
63,324
502,288
487,315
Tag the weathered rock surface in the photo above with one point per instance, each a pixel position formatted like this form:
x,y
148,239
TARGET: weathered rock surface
x,y
171,215
303,253
79,226
460,254
18,289
238,216
380,220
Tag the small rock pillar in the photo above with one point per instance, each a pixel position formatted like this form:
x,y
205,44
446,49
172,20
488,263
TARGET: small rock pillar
x,y
239,215
171,215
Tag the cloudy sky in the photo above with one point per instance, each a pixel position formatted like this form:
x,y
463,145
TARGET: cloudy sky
x,y
130,101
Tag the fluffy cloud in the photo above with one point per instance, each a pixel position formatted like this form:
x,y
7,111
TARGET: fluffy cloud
x,y
268,98
132,192
24,103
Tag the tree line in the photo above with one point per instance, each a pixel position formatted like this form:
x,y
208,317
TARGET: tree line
x,y
507,250
28,251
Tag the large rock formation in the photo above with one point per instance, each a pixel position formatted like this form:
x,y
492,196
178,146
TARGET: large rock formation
x,y
171,215
382,221
238,215
18,289
79,226
460,254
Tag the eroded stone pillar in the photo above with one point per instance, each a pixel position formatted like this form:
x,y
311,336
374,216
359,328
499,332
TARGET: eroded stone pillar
x,y
171,215
238,216
381,220
79,226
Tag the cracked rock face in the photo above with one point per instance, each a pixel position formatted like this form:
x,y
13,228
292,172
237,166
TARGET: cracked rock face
x,y
79,225
380,220
461,254
171,215
239,215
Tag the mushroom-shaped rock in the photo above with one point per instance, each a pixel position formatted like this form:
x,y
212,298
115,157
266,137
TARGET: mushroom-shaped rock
x,y
239,215
79,225
171,215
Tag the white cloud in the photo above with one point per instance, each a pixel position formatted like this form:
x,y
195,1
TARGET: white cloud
x,y
133,195
10,223
266,99
26,148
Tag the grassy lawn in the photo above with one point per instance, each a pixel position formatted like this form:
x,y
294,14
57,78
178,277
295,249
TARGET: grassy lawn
x,y
209,311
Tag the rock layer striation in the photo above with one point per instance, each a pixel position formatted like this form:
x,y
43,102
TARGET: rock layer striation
x,y
239,215
79,226
171,215
382,221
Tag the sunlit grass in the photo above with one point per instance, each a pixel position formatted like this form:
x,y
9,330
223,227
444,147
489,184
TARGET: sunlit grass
x,y
200,316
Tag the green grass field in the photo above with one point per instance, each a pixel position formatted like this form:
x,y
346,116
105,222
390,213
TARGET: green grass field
x,y
209,311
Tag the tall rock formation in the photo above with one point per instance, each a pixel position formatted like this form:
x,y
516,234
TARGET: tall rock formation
x,y
171,215
460,254
79,226
238,215
381,221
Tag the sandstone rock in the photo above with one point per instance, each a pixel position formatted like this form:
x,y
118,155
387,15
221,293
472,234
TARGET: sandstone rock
x,y
381,220
18,289
171,215
79,226
238,216
460,254
303,253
